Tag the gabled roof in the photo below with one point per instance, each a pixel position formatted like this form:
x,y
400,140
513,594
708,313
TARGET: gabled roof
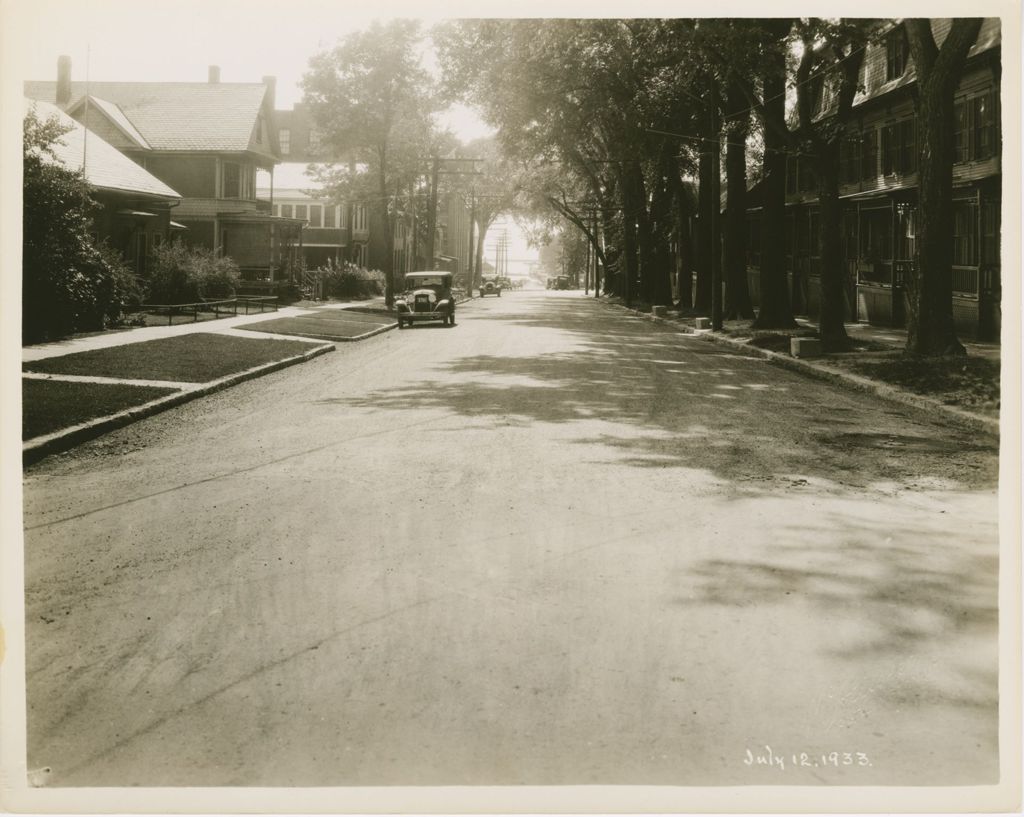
x,y
116,116
217,116
106,168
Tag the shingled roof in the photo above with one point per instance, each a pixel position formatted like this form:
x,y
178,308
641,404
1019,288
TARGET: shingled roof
x,y
204,116
106,168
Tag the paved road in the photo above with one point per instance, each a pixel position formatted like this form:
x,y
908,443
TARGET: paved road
x,y
555,544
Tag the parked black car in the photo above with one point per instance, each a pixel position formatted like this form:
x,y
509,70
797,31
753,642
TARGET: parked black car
x,y
427,297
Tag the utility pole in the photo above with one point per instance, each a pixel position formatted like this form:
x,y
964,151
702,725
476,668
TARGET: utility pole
x,y
432,214
415,226
469,246
716,203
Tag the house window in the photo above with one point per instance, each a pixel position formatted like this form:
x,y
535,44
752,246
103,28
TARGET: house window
x,y
908,146
805,175
231,187
850,235
984,126
869,154
314,139
890,141
965,239
876,235
259,129
895,54
284,139
816,87
961,132
849,159
990,232
791,174
975,135
300,211
330,216
906,235
359,217
315,215
286,210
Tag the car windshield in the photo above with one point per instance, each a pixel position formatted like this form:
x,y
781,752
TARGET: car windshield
x,y
425,281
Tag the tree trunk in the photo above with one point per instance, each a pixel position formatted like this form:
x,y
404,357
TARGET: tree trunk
x,y
930,327
482,227
388,239
775,311
661,227
929,284
832,319
702,296
628,264
737,293
645,234
684,262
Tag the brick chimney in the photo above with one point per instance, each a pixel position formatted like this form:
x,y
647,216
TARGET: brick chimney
x,y
271,83
63,81
214,74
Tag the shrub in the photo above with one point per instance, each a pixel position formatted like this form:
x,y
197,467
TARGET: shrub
x,y
350,281
184,275
62,270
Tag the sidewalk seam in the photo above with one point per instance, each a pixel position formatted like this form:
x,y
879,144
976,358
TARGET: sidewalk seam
x,y
988,425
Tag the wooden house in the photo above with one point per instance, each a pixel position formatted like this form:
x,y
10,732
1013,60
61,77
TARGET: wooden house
x,y
205,140
879,191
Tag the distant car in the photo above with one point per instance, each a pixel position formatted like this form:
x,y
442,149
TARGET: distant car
x,y
506,283
490,286
562,282
427,297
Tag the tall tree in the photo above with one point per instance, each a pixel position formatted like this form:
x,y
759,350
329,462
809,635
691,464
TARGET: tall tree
x,y
930,328
826,83
369,95
737,127
775,311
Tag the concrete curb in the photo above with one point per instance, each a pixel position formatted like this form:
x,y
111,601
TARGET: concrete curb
x,y
988,425
38,447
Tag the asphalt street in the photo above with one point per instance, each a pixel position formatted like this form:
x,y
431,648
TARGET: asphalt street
x,y
555,544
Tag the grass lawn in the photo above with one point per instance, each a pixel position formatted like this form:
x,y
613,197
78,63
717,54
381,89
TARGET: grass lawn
x,y
49,405
326,323
968,382
194,358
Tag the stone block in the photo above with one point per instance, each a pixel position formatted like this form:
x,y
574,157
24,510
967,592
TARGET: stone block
x,y
702,323
659,311
805,347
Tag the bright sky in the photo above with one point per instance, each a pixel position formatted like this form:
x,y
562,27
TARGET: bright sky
x,y
177,42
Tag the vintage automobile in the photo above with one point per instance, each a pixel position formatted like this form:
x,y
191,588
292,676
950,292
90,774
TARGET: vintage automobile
x,y
427,297
490,286
562,282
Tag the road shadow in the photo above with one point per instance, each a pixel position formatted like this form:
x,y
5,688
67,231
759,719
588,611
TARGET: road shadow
x,y
667,400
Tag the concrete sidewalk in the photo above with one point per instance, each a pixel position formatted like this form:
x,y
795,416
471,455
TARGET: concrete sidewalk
x,y
106,340
897,338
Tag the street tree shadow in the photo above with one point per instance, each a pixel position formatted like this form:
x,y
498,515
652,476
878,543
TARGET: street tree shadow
x,y
666,399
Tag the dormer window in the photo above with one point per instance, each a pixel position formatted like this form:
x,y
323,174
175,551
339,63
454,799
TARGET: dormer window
x,y
896,53
284,139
